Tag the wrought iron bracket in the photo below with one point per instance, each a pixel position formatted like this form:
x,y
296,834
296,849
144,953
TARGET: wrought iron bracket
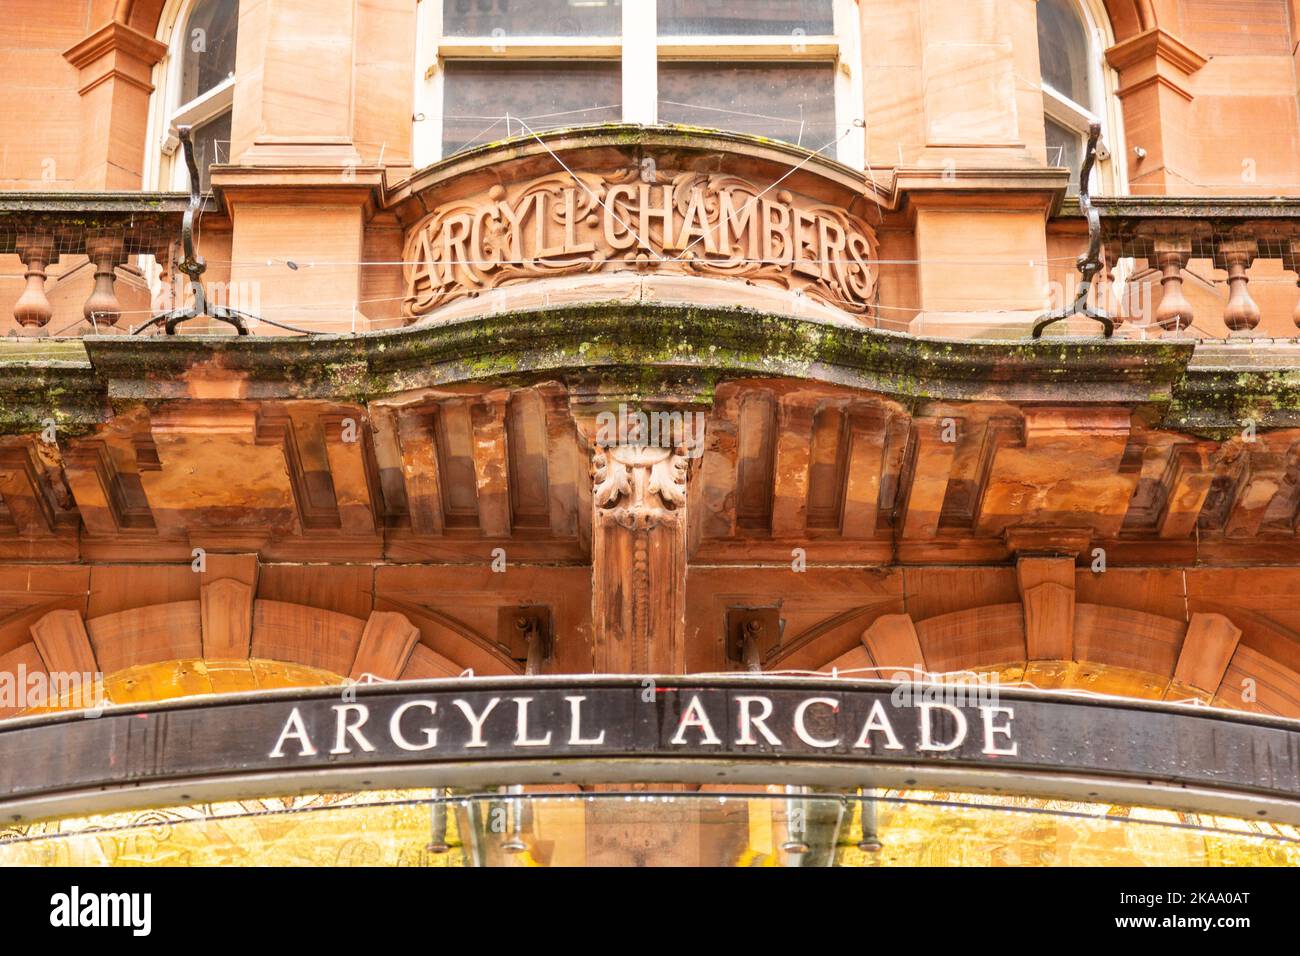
x,y
193,265
1090,262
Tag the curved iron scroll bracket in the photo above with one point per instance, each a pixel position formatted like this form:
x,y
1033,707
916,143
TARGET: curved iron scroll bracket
x,y
1090,261
193,265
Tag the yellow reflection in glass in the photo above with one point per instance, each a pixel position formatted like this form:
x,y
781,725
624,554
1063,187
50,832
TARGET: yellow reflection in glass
x,y
168,680
396,828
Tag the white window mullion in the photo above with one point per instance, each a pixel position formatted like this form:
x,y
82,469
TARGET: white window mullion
x,y
640,62
849,106
199,110
1067,112
426,144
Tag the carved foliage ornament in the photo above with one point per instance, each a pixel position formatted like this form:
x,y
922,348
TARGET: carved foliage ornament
x,y
639,486
686,223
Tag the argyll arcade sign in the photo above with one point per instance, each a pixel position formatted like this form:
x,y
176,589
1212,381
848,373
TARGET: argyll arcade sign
x,y
698,720
600,729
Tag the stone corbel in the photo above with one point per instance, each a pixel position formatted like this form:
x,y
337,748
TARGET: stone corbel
x,y
639,557
638,511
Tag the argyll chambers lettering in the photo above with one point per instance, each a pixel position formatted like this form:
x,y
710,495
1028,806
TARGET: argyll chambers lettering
x,y
686,223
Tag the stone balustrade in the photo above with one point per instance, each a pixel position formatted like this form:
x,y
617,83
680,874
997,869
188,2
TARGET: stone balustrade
x,y
106,228
1172,233
1168,246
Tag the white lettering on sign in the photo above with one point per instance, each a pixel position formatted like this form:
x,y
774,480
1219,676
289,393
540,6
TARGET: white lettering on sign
x,y
575,726
521,726
694,716
476,721
801,729
395,726
992,730
351,728
877,722
746,722
294,730
927,728
814,721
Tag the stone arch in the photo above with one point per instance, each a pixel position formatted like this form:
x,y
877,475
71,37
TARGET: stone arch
x,y
1054,643
142,15
1128,18
227,624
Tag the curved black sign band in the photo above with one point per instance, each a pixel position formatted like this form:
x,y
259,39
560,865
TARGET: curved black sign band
x,y
783,728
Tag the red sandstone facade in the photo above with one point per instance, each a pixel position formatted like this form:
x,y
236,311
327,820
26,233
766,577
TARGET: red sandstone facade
x,y
887,472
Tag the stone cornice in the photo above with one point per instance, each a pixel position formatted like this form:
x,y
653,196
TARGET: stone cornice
x,y
646,345
124,202
1237,208
654,351
43,380
114,37
1155,43
1228,386
147,222
346,185
1041,186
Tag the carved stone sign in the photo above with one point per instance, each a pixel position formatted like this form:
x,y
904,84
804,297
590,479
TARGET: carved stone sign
x,y
687,223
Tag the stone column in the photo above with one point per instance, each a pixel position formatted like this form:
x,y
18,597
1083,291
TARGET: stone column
x,y
1155,68
116,68
979,190
293,84
297,193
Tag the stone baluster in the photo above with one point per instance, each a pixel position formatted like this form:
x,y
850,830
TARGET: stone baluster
x,y
32,311
1110,301
102,307
1241,315
1291,262
1170,256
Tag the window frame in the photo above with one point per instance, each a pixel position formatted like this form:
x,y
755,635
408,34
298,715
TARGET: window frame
x,y
1103,85
164,166
639,50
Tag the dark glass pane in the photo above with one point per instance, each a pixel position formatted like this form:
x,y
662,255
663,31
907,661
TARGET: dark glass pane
x,y
514,18
209,45
1065,148
794,102
484,101
745,17
211,145
1063,50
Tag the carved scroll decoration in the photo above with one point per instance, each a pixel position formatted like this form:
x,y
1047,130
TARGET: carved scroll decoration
x,y
639,486
684,223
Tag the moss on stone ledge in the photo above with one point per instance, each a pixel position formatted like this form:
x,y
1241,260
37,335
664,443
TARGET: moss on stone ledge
x,y
641,350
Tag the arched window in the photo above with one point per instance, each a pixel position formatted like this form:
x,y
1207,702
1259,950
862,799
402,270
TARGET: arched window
x,y
1076,89
783,69
198,88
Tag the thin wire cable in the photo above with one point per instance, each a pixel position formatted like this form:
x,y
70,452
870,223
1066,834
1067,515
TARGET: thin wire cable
x,y
982,260
590,192
794,169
